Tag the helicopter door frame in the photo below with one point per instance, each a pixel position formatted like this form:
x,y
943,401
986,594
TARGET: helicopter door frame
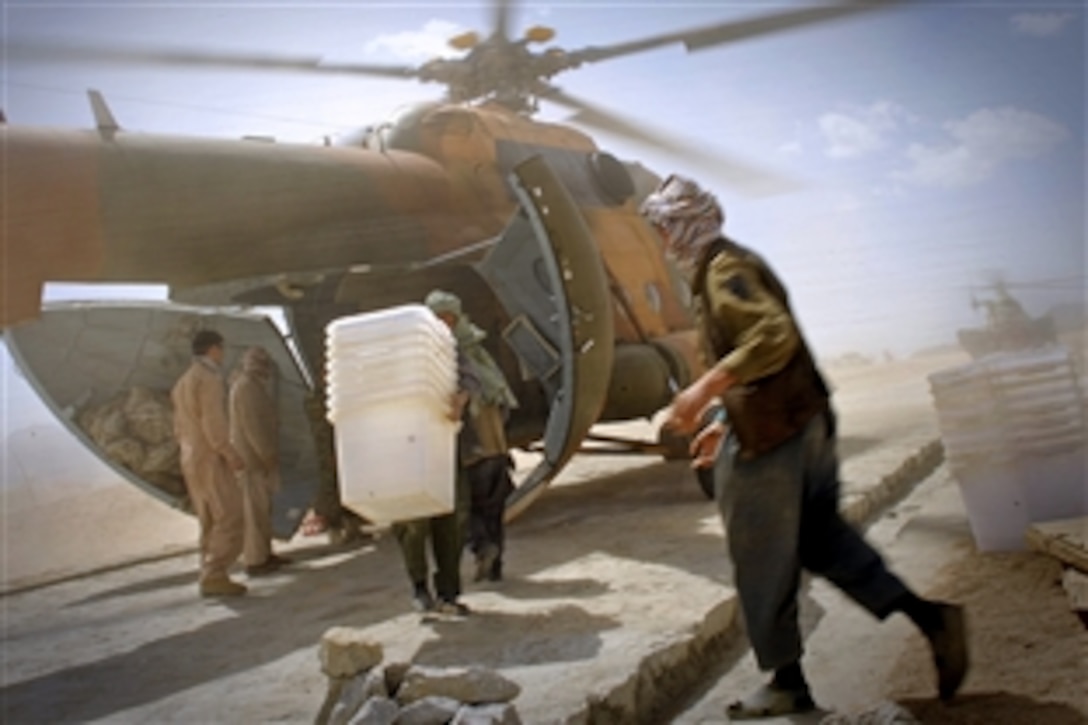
x,y
550,278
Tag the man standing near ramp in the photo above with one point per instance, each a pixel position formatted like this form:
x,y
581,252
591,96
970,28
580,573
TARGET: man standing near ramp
x,y
209,463
254,433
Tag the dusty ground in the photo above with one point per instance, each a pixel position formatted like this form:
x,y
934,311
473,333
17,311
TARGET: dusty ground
x,y
1029,650
596,565
59,524
64,512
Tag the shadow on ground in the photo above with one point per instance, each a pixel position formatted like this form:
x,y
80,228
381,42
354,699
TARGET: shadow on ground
x,y
993,708
655,515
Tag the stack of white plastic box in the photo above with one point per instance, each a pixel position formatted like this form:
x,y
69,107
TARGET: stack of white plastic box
x,y
391,374
1013,428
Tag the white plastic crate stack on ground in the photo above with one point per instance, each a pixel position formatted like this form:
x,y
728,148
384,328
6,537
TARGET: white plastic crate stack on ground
x,y
977,454
390,377
1043,405
1014,434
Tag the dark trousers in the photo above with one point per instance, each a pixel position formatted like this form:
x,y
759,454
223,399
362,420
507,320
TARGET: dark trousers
x,y
446,534
781,512
490,484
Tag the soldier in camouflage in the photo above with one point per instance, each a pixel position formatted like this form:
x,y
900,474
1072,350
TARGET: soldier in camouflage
x,y
327,513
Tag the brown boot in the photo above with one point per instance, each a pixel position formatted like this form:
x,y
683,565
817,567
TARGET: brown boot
x,y
949,645
221,586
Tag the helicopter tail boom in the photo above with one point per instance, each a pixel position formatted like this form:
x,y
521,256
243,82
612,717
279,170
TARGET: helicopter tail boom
x,y
181,211
49,222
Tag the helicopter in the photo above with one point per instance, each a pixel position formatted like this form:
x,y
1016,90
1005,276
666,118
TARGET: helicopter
x,y
1008,328
530,223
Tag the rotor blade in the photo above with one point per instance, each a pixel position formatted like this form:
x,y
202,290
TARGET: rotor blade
x,y
711,35
739,175
41,52
500,25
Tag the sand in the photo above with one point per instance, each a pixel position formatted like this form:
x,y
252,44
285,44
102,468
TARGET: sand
x,y
136,644
1029,649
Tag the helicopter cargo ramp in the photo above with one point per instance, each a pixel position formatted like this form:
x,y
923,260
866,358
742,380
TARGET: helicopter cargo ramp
x,y
617,599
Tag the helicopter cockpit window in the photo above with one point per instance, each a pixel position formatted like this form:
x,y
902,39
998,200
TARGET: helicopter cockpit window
x,y
611,176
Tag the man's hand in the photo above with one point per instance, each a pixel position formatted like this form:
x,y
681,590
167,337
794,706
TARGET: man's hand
x,y
458,401
705,446
687,408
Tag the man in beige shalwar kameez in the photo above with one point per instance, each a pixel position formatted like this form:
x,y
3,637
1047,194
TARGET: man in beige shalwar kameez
x,y
254,433
210,463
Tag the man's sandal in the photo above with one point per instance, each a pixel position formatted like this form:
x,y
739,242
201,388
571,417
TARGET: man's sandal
x,y
771,701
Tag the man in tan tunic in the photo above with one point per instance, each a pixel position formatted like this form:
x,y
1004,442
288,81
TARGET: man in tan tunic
x,y
254,433
779,487
210,463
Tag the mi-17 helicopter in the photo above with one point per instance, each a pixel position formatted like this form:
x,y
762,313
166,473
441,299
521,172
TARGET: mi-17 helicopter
x,y
533,225
1008,328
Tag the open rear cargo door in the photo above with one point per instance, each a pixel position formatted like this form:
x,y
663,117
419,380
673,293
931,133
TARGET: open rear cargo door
x,y
106,369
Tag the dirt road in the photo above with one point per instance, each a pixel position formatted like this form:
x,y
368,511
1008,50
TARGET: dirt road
x,y
1029,650
618,588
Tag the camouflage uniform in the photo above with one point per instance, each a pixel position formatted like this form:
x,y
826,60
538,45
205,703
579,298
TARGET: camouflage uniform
x,y
343,524
446,534
326,503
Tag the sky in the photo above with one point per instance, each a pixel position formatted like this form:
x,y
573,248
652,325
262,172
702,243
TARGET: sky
x,y
940,144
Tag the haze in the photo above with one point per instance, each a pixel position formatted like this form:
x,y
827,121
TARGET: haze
x,y
941,143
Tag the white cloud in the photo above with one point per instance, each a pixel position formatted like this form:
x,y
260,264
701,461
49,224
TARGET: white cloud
x,y
847,202
848,137
432,41
860,131
1040,25
790,148
981,142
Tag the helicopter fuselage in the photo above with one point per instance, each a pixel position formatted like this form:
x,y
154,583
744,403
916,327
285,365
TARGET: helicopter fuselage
x,y
328,230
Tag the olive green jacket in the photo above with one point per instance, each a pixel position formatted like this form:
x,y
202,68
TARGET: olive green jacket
x,y
749,331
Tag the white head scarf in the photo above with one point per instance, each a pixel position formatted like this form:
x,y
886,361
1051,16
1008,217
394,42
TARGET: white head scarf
x,y
689,217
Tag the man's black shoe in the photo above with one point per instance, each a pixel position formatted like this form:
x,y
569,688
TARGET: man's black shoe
x,y
949,645
422,598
